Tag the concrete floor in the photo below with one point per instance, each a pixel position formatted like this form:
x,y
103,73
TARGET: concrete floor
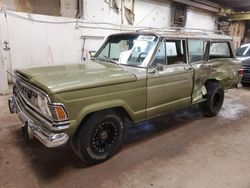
x,y
183,149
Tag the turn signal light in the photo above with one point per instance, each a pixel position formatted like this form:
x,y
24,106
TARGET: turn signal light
x,y
241,72
60,112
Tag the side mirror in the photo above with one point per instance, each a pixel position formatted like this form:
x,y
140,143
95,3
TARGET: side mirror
x,y
92,53
159,67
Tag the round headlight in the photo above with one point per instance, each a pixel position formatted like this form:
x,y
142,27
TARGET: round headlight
x,y
43,105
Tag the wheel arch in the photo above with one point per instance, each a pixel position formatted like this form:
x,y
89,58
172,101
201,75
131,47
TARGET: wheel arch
x,y
122,110
211,80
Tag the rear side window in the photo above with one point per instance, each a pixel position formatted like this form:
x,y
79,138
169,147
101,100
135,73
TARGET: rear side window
x,y
197,50
219,50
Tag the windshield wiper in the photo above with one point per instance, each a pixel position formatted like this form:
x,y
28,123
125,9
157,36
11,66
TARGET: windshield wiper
x,y
108,59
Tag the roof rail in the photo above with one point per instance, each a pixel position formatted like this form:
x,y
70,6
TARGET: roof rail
x,y
181,30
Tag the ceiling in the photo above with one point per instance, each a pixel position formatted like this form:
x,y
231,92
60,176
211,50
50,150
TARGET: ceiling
x,y
237,5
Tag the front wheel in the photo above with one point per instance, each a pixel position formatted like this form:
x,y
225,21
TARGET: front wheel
x,y
214,99
100,137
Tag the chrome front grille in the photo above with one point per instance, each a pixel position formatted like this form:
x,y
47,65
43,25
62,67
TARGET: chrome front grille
x,y
26,95
29,95
28,98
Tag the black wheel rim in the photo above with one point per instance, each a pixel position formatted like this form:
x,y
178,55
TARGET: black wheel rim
x,y
105,135
217,100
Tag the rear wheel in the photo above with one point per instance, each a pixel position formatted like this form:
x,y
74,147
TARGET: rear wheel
x,y
214,99
99,138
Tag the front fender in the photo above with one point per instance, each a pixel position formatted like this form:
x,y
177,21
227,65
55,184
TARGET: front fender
x,y
102,106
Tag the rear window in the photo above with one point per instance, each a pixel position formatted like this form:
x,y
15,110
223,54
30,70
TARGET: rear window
x,y
219,50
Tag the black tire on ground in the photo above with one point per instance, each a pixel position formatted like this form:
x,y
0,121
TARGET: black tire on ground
x,y
74,144
215,98
99,138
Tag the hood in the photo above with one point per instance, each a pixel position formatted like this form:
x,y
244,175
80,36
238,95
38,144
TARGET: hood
x,y
63,78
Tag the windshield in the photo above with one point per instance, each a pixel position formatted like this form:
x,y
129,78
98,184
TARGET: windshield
x,y
240,51
128,49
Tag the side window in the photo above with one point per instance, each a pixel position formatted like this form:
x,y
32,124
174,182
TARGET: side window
x,y
171,49
160,57
197,50
170,52
219,50
175,51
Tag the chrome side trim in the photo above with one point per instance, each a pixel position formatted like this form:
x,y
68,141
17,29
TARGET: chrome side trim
x,y
48,139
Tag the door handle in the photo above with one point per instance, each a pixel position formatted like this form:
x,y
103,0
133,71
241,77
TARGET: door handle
x,y
188,68
206,65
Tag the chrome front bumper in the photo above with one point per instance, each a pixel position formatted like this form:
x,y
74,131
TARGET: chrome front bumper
x,y
48,139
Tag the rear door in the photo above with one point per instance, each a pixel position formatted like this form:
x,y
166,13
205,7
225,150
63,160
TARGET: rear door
x,y
170,87
223,65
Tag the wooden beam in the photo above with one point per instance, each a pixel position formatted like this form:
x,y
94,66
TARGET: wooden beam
x,y
209,3
241,16
238,4
201,4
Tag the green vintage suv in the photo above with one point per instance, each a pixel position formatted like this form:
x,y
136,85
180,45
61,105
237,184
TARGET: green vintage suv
x,y
132,77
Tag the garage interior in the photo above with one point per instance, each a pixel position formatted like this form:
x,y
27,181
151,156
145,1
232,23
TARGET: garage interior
x,y
181,149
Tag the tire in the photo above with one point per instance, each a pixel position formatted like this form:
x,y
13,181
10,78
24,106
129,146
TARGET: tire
x,y
74,144
99,138
215,98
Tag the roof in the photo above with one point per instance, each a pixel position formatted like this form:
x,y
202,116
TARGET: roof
x,y
177,32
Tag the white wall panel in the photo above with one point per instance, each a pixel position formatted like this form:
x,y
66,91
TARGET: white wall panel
x,y
20,43
3,63
152,14
34,44
38,41
99,11
200,19
64,43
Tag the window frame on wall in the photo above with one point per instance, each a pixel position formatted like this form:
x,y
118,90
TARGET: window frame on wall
x,y
178,14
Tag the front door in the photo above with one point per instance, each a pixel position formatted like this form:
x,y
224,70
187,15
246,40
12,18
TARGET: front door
x,y
197,51
169,88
